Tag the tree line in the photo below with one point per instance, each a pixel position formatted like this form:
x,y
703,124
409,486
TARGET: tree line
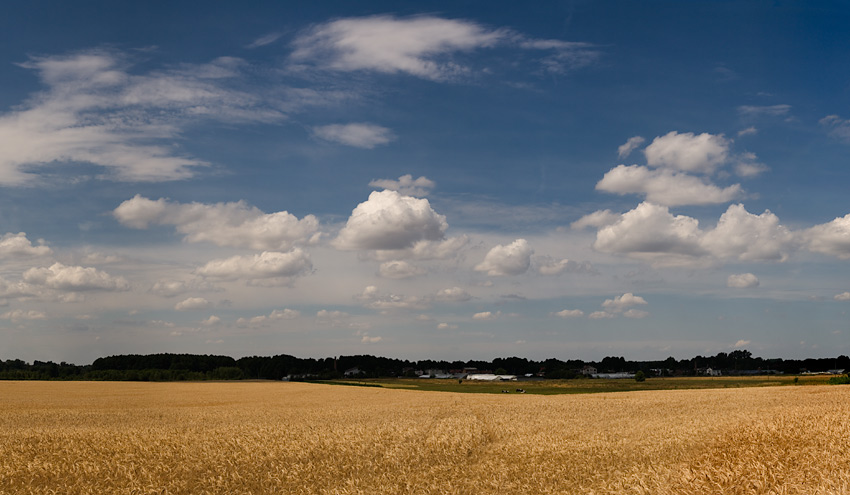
x,y
178,367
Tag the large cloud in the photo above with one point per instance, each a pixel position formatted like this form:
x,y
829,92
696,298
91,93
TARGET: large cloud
x,y
830,238
687,152
746,237
94,110
421,46
74,278
652,233
223,224
266,265
391,221
513,259
678,170
17,245
389,44
666,187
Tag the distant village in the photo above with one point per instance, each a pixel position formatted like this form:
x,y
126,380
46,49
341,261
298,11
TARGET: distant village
x,y
170,367
586,371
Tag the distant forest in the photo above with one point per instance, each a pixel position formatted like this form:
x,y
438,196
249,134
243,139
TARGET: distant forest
x,y
176,367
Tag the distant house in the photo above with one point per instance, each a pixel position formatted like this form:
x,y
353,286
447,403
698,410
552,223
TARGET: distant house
x,y
352,372
712,372
588,370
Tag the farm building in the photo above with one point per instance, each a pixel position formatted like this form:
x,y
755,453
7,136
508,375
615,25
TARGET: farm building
x,y
489,377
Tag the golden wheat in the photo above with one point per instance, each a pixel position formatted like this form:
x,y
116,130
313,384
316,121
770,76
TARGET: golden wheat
x,y
251,438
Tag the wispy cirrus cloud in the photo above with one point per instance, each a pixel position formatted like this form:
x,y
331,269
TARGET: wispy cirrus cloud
x,y
838,127
95,110
422,46
357,135
764,110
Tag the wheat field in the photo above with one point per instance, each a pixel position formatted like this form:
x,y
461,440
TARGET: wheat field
x,y
291,438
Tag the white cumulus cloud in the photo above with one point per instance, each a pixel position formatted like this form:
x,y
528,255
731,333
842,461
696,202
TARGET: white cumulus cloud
x,y
831,238
211,321
666,187
844,296
620,303
223,224
391,221
74,278
17,245
651,232
192,303
746,237
512,259
687,152
268,264
486,315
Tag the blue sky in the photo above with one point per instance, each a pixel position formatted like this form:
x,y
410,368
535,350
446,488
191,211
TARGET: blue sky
x,y
450,180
